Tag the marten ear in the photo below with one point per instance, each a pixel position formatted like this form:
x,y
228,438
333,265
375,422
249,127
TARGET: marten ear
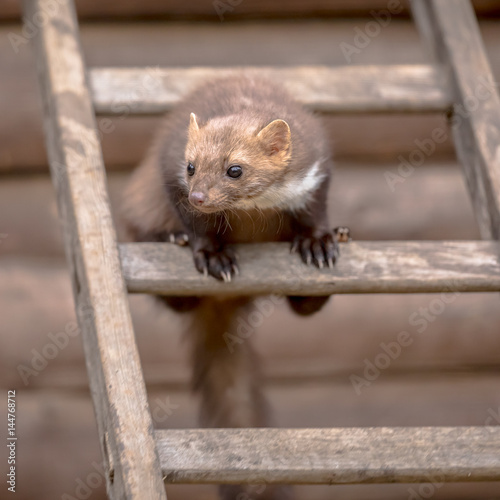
x,y
276,139
193,124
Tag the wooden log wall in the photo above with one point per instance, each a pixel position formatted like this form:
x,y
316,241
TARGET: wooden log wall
x,y
373,138
448,375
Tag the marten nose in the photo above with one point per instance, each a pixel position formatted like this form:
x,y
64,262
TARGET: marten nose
x,y
197,198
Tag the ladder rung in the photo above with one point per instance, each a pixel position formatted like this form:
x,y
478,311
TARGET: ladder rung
x,y
364,267
359,89
330,456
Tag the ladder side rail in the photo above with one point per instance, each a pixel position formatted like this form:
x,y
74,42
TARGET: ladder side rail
x,y
451,30
116,381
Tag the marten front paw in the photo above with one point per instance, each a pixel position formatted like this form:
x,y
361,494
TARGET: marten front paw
x,y
220,264
321,252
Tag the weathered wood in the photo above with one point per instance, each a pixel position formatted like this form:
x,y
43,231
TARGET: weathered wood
x,y
372,137
331,456
99,289
452,31
343,89
54,421
116,381
364,267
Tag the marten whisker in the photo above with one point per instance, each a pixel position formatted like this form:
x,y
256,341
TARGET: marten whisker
x,y
221,220
227,222
280,219
263,218
235,212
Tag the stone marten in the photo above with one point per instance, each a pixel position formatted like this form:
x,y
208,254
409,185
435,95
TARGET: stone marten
x,y
237,160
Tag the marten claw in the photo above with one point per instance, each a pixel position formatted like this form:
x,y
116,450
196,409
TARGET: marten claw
x,y
181,239
343,234
321,252
219,264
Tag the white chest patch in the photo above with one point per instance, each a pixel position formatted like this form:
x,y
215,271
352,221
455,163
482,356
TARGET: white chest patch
x,y
293,194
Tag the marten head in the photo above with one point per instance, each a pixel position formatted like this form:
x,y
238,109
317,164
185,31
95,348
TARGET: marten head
x,y
234,162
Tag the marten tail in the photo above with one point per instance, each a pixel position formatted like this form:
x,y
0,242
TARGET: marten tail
x,y
226,374
225,369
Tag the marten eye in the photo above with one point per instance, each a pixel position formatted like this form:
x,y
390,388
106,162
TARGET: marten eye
x,y
190,169
234,171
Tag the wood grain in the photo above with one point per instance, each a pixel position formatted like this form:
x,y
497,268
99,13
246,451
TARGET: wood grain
x,y
343,89
331,456
57,422
116,381
364,267
369,138
452,31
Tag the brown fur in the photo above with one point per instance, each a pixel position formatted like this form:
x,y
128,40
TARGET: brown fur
x,y
227,377
254,123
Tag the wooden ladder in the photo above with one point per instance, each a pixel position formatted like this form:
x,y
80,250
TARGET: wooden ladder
x,y
137,458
